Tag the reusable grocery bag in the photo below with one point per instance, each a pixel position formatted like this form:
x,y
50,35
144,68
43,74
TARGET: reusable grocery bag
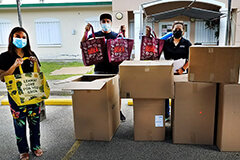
x,y
151,47
93,49
27,88
119,49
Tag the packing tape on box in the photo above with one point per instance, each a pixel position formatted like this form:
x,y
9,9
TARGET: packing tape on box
x,y
193,137
191,76
212,77
210,50
195,88
147,69
232,75
91,135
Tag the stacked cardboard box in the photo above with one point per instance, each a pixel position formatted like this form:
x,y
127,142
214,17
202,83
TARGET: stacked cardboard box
x,y
193,113
214,64
217,65
228,128
95,106
149,83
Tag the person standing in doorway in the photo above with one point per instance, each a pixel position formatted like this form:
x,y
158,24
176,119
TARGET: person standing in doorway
x,y
105,67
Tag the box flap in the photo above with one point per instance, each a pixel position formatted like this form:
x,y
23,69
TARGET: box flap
x,y
181,78
95,85
88,82
147,63
197,46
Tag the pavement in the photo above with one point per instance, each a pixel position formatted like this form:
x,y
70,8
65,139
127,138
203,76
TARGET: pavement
x,y
58,141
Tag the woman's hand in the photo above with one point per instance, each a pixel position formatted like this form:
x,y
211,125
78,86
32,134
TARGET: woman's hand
x,y
18,62
33,59
180,71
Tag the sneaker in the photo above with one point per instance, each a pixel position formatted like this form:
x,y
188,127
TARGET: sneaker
x,y
122,117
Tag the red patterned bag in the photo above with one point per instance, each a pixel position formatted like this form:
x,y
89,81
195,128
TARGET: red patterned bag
x,y
119,49
93,49
151,47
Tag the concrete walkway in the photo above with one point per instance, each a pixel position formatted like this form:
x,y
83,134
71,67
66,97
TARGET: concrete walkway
x,y
72,70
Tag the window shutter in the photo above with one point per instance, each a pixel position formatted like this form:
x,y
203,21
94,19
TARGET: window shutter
x,y
48,32
94,21
204,35
5,28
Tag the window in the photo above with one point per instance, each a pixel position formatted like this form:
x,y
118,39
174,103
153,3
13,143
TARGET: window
x,y
94,21
132,28
5,28
48,32
165,27
204,35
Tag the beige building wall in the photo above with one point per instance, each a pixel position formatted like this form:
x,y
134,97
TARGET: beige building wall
x,y
236,21
70,18
126,5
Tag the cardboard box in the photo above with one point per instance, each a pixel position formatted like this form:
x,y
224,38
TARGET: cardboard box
x,y
181,78
193,113
95,106
214,64
149,119
228,128
146,79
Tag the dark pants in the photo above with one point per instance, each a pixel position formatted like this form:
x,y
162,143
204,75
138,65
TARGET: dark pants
x,y
166,108
20,114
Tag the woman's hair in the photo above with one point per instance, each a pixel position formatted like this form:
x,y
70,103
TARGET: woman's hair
x,y
12,47
178,22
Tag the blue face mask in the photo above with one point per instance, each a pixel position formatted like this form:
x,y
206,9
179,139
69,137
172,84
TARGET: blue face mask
x,y
106,27
19,42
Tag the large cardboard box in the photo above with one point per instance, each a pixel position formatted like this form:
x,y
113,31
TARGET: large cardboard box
x,y
149,119
146,79
214,64
95,106
193,113
228,128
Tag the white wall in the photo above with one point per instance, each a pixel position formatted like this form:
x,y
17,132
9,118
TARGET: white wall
x,y
71,18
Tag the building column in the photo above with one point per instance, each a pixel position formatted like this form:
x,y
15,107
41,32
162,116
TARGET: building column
x,y
138,20
223,27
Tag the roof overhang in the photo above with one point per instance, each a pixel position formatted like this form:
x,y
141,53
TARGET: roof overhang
x,y
199,9
192,12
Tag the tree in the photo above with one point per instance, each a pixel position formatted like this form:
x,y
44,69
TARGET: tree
x,y
19,13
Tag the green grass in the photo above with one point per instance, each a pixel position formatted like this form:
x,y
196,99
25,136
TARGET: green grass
x,y
48,67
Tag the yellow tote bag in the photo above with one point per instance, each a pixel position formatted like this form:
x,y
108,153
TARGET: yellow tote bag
x,y
27,88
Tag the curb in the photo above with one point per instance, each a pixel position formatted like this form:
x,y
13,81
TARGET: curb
x,y
48,102
52,93
130,102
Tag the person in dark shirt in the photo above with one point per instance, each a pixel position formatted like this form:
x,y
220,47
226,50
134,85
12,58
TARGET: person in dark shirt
x,y
105,67
19,47
176,48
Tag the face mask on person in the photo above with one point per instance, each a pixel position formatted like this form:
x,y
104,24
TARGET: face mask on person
x,y
177,34
19,42
106,26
